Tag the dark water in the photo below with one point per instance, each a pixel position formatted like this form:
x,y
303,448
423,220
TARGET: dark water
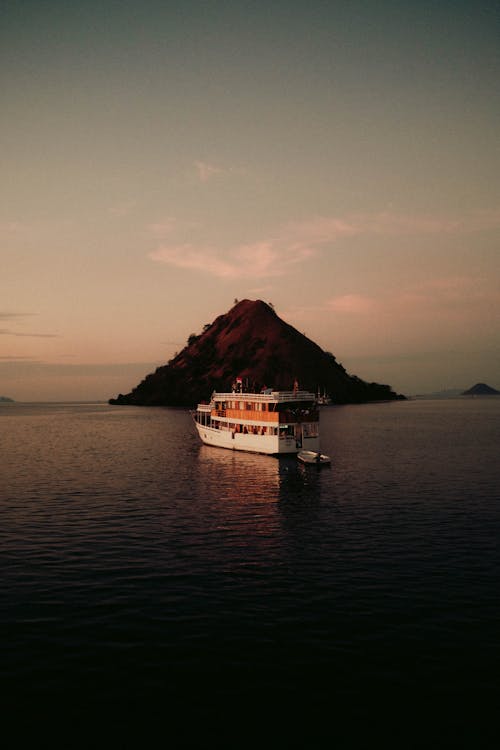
x,y
153,585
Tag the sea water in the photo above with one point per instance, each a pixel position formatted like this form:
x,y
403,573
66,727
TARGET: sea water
x,y
153,584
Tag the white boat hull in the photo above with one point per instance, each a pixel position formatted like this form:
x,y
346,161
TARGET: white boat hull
x,y
268,444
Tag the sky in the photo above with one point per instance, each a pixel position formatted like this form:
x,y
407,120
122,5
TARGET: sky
x,y
159,160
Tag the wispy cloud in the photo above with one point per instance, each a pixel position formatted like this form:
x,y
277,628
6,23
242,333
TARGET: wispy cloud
x,y
327,229
206,171
12,315
26,366
254,260
8,332
12,227
261,290
124,208
15,317
297,241
356,304
16,358
162,228
194,259
445,298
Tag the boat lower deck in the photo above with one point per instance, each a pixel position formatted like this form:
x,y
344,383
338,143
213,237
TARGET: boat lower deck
x,y
256,443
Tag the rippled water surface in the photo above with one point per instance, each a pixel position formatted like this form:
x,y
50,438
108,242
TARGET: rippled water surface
x,y
152,583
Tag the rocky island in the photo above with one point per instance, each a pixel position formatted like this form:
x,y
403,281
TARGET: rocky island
x,y
481,389
250,342
6,400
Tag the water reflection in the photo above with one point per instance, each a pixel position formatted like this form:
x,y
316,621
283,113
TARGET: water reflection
x,y
247,478
256,509
238,477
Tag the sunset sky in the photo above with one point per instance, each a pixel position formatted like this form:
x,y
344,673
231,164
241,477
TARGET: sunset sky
x,y
338,159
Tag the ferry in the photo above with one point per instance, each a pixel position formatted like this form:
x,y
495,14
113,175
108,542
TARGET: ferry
x,y
271,422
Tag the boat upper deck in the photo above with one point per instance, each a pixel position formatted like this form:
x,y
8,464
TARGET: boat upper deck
x,y
276,397
271,406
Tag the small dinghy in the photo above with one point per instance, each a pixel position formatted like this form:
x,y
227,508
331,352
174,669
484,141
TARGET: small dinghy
x,y
313,457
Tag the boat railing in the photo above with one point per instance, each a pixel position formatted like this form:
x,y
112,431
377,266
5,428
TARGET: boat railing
x,y
294,395
279,396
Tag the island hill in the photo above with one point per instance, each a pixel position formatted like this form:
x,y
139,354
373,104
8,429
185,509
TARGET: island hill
x,y
6,400
250,342
481,389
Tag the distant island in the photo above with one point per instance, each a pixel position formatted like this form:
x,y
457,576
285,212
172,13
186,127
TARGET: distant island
x,y
481,389
6,400
252,343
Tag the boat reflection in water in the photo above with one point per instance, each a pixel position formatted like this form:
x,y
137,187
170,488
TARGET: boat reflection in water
x,y
241,478
257,485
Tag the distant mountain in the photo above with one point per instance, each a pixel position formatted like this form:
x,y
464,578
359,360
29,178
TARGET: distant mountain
x,y
5,400
253,343
481,389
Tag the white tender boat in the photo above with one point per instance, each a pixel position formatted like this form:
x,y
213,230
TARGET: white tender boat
x,y
272,422
313,457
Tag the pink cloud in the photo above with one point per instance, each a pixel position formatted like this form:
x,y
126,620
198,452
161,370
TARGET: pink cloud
x,y
458,297
438,299
321,230
206,170
194,259
12,226
162,228
298,241
254,260
388,223
353,304
122,209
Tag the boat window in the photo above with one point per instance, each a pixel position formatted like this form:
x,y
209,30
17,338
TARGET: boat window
x,y
310,429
